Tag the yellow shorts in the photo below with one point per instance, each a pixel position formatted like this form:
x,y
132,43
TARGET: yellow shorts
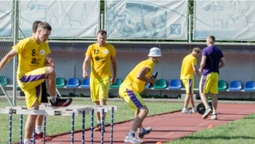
x,y
209,83
30,84
99,88
133,99
189,85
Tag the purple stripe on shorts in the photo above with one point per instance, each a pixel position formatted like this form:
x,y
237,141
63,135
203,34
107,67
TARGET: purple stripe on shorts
x,y
134,99
190,86
32,78
37,89
203,84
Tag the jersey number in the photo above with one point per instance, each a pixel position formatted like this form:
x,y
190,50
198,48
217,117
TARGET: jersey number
x,y
33,52
96,51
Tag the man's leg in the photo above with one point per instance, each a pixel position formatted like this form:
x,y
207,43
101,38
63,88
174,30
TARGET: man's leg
x,y
214,92
51,83
39,120
187,85
30,123
103,89
204,87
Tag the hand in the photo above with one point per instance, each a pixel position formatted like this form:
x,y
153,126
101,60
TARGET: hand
x,y
200,70
113,80
85,74
153,80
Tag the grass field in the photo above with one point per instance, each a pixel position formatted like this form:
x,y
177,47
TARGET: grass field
x,y
237,132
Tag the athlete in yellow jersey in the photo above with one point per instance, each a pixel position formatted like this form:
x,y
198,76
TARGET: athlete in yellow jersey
x,y
188,70
100,55
130,91
33,68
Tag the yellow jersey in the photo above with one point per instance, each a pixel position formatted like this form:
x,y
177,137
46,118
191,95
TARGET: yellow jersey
x,y
186,69
137,85
31,55
101,59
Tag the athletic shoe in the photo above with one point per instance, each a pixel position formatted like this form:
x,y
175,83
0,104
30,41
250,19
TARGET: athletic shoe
x,y
39,137
144,132
132,139
59,102
98,128
214,117
185,111
194,110
207,112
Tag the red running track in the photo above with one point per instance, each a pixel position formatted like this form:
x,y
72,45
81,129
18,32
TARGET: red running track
x,y
166,127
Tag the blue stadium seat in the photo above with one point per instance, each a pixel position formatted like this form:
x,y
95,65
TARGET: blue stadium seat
x,y
85,83
73,83
175,84
235,85
249,86
147,85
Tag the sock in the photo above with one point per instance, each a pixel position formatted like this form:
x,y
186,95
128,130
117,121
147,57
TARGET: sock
x,y
208,107
131,133
26,141
214,112
98,121
38,129
185,109
53,98
140,130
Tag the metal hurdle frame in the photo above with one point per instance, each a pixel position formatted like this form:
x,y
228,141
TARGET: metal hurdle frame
x,y
72,111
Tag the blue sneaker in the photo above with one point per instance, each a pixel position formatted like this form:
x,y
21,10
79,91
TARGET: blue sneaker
x,y
132,139
144,132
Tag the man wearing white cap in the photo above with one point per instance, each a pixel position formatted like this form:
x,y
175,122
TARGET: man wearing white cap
x,y
130,91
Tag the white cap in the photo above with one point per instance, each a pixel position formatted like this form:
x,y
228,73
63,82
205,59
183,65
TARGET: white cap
x,y
155,52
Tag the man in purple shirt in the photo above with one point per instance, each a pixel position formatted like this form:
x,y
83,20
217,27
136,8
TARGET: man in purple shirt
x,y
212,61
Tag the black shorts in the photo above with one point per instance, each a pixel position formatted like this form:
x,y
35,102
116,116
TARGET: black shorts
x,y
44,93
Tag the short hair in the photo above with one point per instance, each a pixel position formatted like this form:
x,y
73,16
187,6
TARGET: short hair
x,y
102,32
35,25
45,25
211,38
197,49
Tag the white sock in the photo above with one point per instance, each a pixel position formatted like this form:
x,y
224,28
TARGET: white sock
x,y
53,98
140,130
38,129
98,121
185,109
214,112
27,141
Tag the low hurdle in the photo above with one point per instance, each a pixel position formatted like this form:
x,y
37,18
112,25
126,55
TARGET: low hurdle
x,y
73,110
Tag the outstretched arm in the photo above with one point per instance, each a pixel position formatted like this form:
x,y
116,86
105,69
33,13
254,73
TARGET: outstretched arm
x,y
12,53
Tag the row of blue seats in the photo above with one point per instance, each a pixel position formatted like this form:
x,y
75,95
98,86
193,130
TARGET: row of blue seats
x,y
235,85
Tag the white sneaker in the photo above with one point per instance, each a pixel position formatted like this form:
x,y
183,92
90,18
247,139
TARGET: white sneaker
x,y
194,110
214,117
185,111
207,112
133,140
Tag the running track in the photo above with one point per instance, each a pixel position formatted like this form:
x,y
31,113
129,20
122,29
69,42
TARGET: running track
x,y
166,127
